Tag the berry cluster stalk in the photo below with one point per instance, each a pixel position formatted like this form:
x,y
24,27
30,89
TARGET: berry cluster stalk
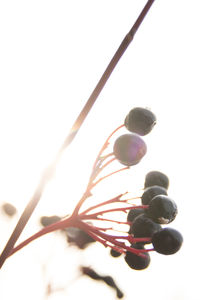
x,y
74,130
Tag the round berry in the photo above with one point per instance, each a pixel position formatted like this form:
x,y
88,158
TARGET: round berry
x,y
133,213
152,191
129,149
167,241
78,237
9,209
156,178
140,120
162,209
114,253
135,261
48,220
142,226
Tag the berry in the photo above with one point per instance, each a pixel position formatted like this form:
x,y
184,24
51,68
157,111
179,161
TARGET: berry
x,y
140,120
142,226
9,209
133,213
162,209
167,241
156,178
78,237
135,261
129,149
151,192
48,220
114,253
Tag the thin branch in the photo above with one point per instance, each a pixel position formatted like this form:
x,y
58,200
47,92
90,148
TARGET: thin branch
x,y
105,145
111,239
122,209
48,229
73,132
108,175
115,199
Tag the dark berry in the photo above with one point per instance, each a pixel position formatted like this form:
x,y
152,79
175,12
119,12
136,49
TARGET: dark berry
x,y
152,191
140,120
9,209
162,209
78,237
142,226
133,213
114,253
129,149
156,178
48,220
167,241
135,261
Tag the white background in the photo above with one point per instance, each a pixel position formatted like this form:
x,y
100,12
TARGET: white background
x,y
52,54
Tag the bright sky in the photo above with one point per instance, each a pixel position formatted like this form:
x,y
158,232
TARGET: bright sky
x,y
52,53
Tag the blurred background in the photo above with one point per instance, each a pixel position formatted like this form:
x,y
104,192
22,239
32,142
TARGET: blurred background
x,y
52,54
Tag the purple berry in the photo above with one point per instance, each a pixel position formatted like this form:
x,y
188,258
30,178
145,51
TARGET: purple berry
x,y
129,149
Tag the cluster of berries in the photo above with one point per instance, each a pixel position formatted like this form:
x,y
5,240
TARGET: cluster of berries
x,y
145,220
157,208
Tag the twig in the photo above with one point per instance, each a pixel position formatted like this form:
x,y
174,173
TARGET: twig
x,y
122,209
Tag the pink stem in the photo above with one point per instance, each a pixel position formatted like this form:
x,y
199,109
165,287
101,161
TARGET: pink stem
x,y
88,189
123,209
120,250
111,239
110,220
106,176
50,228
100,170
116,199
132,239
105,145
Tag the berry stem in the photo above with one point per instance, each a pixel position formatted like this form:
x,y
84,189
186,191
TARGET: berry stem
x,y
91,184
97,172
70,222
108,175
105,145
115,199
109,239
123,209
109,220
